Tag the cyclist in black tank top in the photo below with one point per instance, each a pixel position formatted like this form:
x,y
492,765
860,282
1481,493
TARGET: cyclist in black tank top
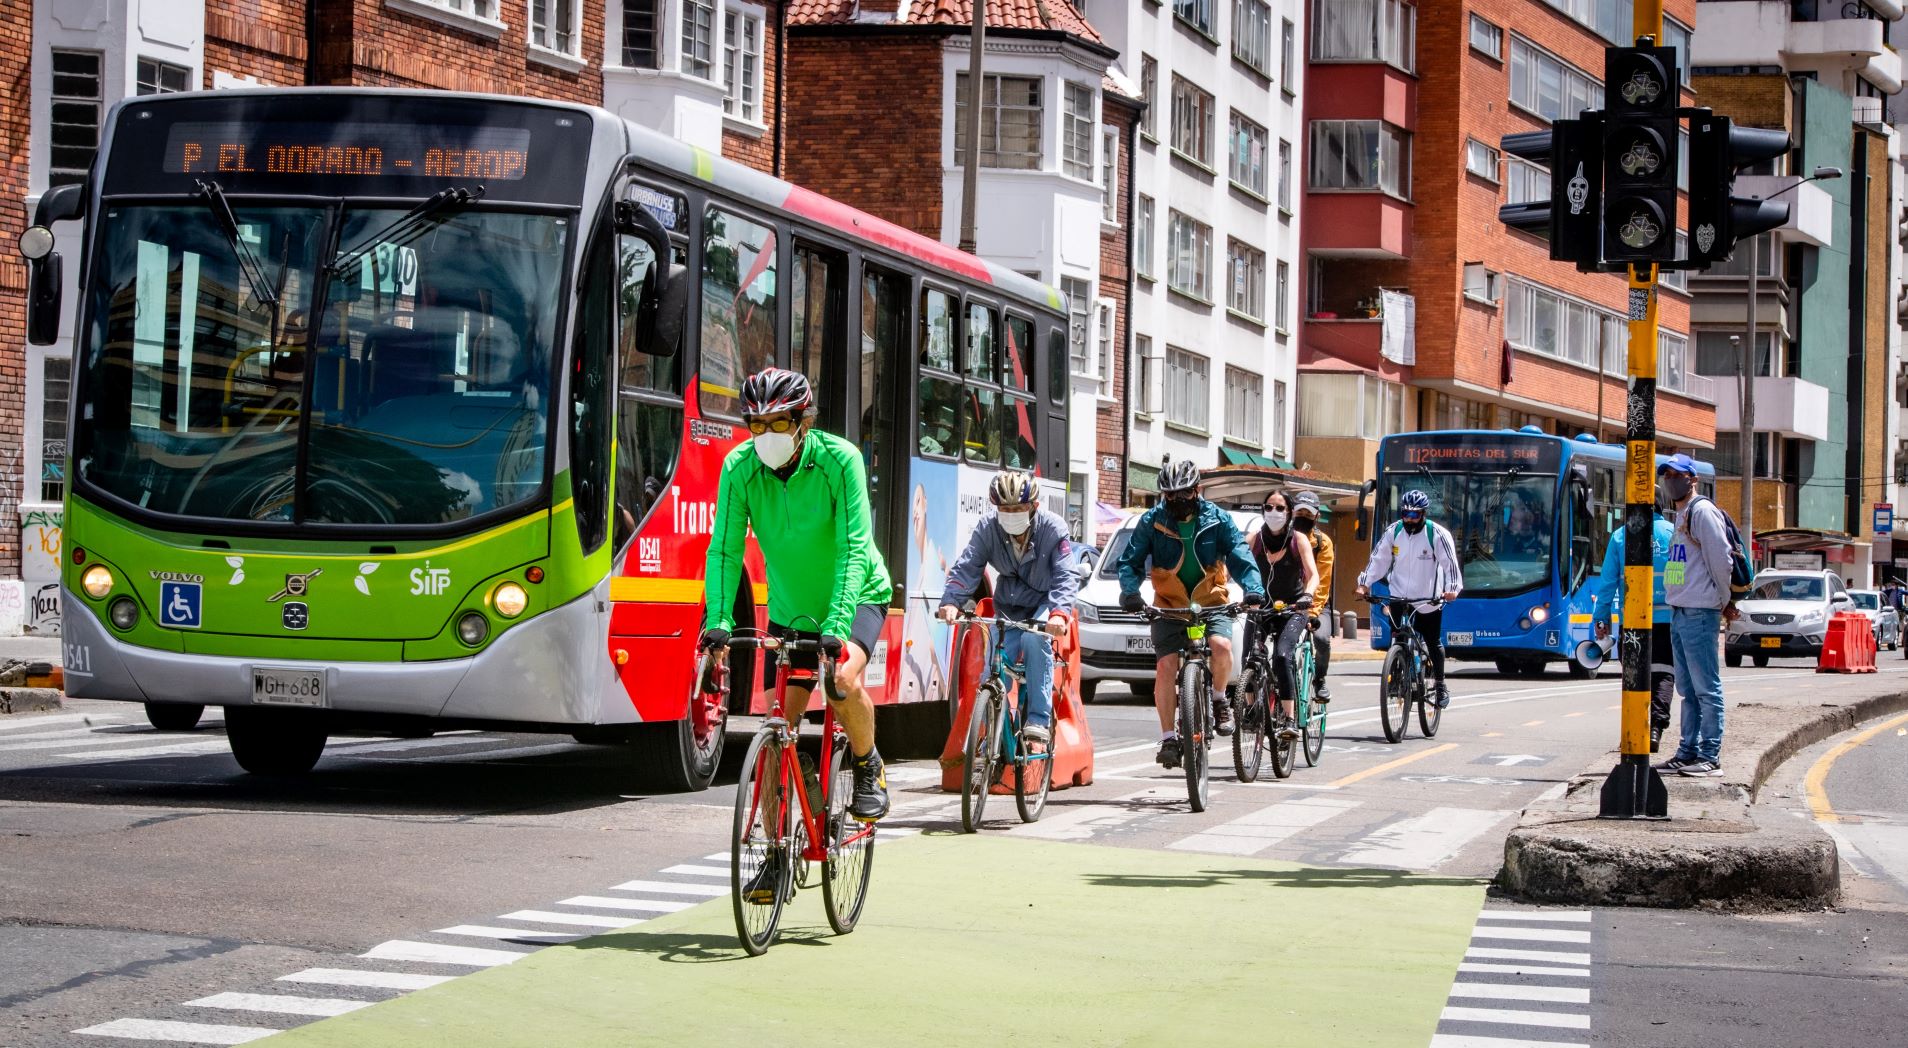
x,y
1285,563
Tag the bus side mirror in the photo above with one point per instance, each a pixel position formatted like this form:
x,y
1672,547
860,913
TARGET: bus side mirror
x,y
1582,555
665,310
45,270
1361,521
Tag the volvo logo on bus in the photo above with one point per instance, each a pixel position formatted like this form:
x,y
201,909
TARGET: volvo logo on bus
x,y
296,585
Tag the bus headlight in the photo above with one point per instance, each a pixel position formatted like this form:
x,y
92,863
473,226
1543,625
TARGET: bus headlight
x,y
473,628
510,600
1539,614
97,582
124,613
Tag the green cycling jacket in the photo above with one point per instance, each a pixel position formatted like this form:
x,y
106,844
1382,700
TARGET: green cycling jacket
x,y
815,532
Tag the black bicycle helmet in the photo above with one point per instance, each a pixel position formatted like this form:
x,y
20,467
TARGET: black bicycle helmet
x,y
773,390
1180,475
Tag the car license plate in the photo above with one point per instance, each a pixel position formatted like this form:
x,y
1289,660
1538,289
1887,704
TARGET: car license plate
x,y
1462,640
286,686
1772,642
1140,645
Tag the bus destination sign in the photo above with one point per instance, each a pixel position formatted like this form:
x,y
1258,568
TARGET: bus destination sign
x,y
348,150
1454,452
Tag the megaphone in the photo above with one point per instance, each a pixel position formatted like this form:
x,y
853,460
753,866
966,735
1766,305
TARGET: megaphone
x,y
1591,653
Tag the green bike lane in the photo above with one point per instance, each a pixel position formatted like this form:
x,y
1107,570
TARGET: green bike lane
x,y
1090,945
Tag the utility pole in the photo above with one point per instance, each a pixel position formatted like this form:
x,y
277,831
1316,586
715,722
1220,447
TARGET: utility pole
x,y
1746,437
976,92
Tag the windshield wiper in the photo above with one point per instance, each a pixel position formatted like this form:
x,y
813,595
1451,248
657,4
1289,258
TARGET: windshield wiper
x,y
249,264
403,227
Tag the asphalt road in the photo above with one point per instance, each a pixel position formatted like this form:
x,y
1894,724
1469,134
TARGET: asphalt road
x,y
145,881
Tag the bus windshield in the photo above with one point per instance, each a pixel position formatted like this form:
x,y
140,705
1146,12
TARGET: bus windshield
x,y
415,393
1503,523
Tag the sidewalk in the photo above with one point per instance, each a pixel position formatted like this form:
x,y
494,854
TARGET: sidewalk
x,y
971,937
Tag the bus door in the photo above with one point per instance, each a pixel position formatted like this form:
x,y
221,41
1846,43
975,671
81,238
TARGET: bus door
x,y
880,390
818,329
1582,543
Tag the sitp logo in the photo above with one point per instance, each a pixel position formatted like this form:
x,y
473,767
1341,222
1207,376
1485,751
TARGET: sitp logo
x,y
429,582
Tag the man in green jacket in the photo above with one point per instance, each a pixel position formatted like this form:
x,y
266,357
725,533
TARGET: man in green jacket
x,y
805,494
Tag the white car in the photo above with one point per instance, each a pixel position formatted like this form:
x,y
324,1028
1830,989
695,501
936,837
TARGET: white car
x,y
1785,615
1881,618
1117,645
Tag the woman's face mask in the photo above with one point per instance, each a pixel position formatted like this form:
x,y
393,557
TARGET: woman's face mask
x,y
1015,524
774,449
1275,519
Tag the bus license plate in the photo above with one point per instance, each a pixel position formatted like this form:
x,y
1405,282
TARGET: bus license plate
x,y
1772,642
1460,640
288,687
1140,645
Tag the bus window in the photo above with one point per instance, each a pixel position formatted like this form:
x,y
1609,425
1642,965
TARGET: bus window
x,y
649,411
1057,366
1017,367
884,340
1606,510
590,391
980,426
817,302
937,330
738,307
940,417
981,363
1018,448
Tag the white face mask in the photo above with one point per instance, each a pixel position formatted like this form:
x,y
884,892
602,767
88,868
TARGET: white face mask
x,y
774,449
1275,519
1015,524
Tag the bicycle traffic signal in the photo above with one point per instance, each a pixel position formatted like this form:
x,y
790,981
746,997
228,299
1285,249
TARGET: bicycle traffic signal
x,y
1571,216
1717,150
1640,143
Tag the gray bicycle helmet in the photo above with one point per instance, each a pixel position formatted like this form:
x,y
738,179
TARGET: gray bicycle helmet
x,y
773,390
1180,475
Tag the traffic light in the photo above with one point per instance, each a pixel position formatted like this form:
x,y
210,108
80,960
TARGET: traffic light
x,y
1639,154
1717,150
1570,217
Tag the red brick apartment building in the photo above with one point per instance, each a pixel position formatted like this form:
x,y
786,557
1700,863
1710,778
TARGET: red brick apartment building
x,y
1404,181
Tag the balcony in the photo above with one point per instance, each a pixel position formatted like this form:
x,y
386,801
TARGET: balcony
x,y
1342,224
1831,39
1788,407
1811,208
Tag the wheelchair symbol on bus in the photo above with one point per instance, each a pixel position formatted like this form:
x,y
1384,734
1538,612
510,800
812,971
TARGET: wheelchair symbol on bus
x,y
179,605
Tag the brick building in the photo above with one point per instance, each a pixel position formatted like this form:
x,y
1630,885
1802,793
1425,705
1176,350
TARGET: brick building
x,y
16,48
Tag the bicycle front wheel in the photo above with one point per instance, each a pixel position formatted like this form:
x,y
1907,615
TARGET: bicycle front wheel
x,y
850,860
977,771
1429,715
1195,730
1394,694
1033,777
753,841
1248,738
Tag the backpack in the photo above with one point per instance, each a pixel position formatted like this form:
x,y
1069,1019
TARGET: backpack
x,y
1741,572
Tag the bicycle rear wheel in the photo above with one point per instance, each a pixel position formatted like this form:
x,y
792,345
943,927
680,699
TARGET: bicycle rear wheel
x,y
979,755
1311,715
1394,694
750,844
1249,738
1195,731
850,860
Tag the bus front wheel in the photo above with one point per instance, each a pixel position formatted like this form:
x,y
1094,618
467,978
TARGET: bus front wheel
x,y
268,741
679,756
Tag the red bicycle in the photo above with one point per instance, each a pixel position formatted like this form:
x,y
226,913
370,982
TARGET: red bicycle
x,y
776,847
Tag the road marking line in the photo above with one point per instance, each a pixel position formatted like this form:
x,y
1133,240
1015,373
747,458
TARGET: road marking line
x,y
691,870
82,737
357,746
1522,969
1492,953
1099,755
1423,841
437,953
1529,934
1500,992
1579,713
1253,833
177,749
62,718
1087,821
708,891
479,756
1817,777
164,1030
652,905
1559,1020
374,980
272,1002
1492,735
1531,724
581,920
1572,916
1445,1040
1388,765
482,931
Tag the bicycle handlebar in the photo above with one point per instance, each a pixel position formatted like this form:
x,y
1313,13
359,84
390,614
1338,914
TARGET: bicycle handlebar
x,y
1388,601
1029,625
770,642
1151,612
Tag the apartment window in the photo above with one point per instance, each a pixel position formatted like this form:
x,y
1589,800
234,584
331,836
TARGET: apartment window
x,y
56,374
1285,175
1143,236
1361,155
1677,35
1189,259
1245,406
478,8
553,26
1487,38
1245,163
1480,283
1192,121
1196,13
1549,86
1543,321
1188,388
1103,345
75,111
642,34
1110,175
1287,46
1480,159
698,38
1076,130
1149,386
1525,182
1010,121
1079,310
1282,296
1344,405
1720,353
1365,31
1678,278
160,78
1149,94
1252,34
1278,417
1245,279
742,52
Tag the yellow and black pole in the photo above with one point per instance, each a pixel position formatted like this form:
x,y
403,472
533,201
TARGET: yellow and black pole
x,y
1634,790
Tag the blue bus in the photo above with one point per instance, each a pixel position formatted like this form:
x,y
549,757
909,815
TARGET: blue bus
x,y
1531,514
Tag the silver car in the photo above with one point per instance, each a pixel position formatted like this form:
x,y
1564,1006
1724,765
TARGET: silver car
x,y
1884,620
1785,616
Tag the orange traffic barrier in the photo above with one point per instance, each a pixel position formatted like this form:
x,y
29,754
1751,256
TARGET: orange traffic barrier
x,y
1849,645
1072,744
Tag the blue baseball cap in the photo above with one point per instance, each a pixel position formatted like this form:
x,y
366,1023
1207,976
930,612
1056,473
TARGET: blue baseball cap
x,y
1679,463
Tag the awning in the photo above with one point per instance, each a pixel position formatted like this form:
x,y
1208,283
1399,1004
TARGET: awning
x,y
1237,457
1106,513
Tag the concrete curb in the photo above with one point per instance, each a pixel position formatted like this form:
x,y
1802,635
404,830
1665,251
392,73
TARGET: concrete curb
x,y
28,700
1720,852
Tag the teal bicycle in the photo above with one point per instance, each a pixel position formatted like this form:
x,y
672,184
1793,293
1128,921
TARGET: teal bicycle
x,y
996,734
1264,729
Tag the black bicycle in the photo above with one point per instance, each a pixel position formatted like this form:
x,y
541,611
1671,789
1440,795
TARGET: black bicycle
x,y
1195,693
1403,684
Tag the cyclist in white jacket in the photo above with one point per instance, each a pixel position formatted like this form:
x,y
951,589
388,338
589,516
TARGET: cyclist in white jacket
x,y
1418,560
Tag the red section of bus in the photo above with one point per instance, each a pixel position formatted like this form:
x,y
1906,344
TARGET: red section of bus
x,y
840,216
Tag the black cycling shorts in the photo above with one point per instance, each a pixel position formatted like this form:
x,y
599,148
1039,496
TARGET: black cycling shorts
x,y
862,633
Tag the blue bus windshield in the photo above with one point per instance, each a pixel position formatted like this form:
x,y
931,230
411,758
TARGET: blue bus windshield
x,y
1504,523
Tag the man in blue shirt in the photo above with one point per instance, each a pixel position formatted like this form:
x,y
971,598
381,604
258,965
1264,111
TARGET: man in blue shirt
x,y
1609,605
